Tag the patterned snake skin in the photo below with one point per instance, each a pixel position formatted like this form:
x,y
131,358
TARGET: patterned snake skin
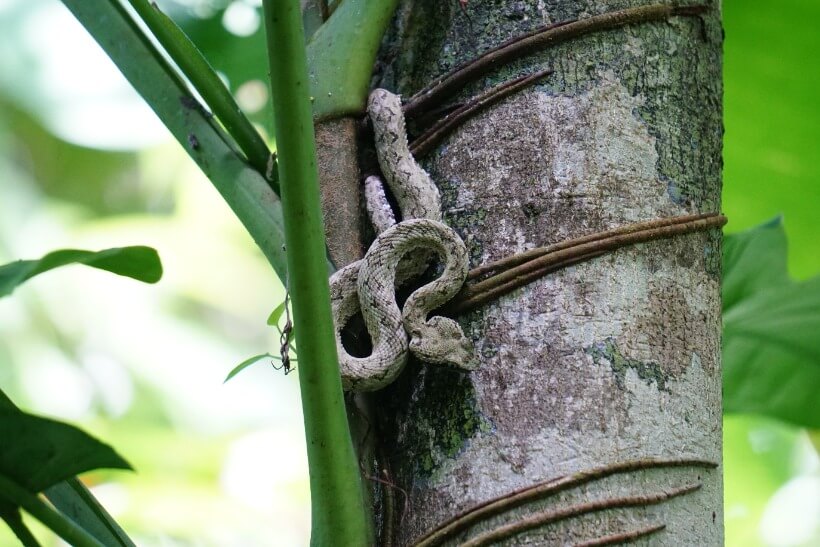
x,y
369,284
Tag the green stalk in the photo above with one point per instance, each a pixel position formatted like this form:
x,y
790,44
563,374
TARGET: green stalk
x,y
37,508
337,504
341,55
205,80
73,499
16,524
244,188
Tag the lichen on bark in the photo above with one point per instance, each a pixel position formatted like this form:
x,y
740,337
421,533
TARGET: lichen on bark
x,y
611,360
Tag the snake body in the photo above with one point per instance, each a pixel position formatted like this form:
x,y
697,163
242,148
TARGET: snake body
x,y
369,284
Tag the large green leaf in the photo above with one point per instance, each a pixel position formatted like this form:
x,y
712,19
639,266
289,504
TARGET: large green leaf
x,y
754,260
38,452
771,347
138,262
73,500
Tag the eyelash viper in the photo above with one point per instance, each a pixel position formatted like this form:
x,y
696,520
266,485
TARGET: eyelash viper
x,y
369,284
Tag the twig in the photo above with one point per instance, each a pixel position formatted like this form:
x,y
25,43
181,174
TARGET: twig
x,y
521,269
622,537
448,84
515,260
547,517
516,498
432,136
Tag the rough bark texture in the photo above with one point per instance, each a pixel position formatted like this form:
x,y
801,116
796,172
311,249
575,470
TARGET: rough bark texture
x,y
340,184
612,360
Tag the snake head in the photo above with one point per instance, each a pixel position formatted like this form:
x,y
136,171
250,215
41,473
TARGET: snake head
x,y
441,341
380,100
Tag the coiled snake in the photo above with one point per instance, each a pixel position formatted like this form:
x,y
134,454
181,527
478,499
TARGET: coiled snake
x,y
370,283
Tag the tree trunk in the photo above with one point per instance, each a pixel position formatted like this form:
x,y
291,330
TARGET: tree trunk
x,y
610,361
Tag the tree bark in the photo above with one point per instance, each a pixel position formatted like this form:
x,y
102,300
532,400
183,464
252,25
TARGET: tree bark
x,y
613,360
341,187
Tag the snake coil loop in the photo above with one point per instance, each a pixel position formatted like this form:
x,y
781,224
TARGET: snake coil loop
x,y
369,284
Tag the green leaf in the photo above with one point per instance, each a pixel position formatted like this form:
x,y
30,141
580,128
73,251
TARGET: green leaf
x,y
771,352
231,55
771,347
276,314
39,452
5,402
73,500
18,496
753,260
140,263
246,363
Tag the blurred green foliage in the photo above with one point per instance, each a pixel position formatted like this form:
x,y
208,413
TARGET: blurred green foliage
x,y
772,118
771,147
771,351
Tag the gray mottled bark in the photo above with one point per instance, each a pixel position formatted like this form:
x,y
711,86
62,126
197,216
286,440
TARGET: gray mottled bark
x,y
613,360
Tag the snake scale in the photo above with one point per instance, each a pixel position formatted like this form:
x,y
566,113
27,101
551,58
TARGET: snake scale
x,y
369,284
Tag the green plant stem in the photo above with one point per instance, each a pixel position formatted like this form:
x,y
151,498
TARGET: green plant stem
x,y
341,55
21,531
53,520
338,512
74,500
244,189
205,80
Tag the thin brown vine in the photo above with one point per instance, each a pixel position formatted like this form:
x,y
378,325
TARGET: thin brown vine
x,y
447,85
496,506
518,270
